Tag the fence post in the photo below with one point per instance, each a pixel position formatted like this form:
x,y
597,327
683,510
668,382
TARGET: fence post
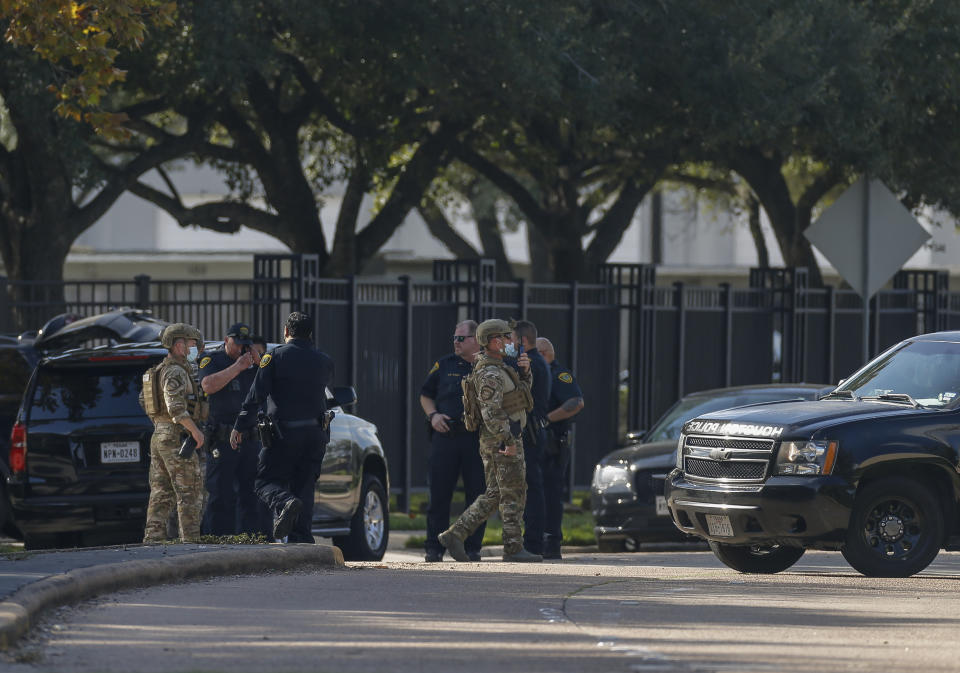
x,y
403,500
680,298
353,313
142,282
522,289
727,333
6,322
831,331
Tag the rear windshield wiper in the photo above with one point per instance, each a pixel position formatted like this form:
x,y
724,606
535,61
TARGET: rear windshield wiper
x,y
903,398
842,394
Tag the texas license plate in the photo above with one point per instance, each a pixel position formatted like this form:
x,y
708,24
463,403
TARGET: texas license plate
x,y
719,525
120,452
662,509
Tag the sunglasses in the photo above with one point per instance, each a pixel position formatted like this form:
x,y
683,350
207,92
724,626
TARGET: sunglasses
x,y
460,339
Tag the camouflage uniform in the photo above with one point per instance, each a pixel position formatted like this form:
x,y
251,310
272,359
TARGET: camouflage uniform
x,y
174,479
505,475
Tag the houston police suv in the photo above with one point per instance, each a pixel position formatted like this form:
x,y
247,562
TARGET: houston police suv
x,y
871,469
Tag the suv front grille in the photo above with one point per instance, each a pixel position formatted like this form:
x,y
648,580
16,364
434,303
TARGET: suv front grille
x,y
712,469
727,459
730,443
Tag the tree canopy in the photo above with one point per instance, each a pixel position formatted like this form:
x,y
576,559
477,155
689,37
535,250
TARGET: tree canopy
x,y
569,112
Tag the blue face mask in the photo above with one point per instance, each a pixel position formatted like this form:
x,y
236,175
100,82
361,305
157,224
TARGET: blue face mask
x,y
510,350
192,354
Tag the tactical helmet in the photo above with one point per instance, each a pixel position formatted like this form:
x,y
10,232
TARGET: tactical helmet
x,y
492,328
179,330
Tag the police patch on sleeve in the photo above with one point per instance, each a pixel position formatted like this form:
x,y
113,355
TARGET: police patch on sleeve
x,y
265,360
435,367
204,362
565,377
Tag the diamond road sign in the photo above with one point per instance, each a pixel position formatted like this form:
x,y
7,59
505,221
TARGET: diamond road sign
x,y
867,235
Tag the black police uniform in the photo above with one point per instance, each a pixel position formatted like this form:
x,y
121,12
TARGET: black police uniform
x,y
452,454
232,505
533,513
292,380
556,455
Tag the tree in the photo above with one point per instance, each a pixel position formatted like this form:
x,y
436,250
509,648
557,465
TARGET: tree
x,y
578,170
53,183
800,99
303,94
81,41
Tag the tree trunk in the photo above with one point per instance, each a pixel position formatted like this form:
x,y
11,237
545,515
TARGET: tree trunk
x,y
491,239
36,232
765,176
541,255
763,255
343,257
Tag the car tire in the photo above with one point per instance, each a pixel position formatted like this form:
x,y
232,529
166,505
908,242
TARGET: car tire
x,y
370,525
756,559
896,528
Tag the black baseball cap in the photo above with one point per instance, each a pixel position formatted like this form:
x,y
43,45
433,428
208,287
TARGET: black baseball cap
x,y
240,333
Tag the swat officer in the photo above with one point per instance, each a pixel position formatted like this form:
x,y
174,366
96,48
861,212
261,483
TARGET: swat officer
x,y
292,380
525,333
225,376
454,451
498,406
170,396
566,401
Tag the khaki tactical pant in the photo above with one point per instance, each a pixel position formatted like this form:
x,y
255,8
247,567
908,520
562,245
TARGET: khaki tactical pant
x,y
506,489
173,480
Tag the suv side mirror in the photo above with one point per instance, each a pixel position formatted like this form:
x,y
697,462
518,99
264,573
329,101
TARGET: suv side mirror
x,y
343,396
634,436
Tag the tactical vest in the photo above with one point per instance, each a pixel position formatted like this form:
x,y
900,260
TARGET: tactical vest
x,y
514,401
155,404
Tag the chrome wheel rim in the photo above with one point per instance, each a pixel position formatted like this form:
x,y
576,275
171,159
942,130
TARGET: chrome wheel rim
x,y
373,520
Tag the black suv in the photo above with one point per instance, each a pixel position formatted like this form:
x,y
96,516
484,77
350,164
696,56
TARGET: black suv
x,y
80,453
870,470
20,354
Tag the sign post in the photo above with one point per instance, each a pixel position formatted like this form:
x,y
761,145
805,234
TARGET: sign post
x,y
867,235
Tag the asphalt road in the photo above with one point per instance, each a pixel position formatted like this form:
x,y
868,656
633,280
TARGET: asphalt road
x,y
635,613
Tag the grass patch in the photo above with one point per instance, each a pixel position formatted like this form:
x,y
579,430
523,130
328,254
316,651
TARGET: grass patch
x,y
242,538
577,525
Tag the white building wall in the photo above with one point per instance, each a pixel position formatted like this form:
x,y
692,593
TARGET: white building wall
x,y
702,243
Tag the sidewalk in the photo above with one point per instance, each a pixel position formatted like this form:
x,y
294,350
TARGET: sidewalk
x,y
31,582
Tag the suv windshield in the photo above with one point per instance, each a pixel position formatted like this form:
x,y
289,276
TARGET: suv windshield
x,y
926,371
668,427
80,393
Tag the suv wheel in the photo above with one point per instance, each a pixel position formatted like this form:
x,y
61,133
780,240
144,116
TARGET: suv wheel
x,y
763,560
896,529
370,525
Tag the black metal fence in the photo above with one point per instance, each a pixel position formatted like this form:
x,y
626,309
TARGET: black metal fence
x,y
634,347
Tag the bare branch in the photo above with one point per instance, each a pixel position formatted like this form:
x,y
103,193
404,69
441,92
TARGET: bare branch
x,y
443,230
501,179
223,216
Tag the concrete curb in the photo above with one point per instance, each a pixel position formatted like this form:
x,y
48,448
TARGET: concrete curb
x,y
19,612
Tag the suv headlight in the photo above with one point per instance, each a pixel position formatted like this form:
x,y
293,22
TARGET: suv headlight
x,y
680,442
612,479
807,457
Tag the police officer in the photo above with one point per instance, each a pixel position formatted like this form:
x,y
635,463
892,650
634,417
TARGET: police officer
x,y
226,376
525,332
172,400
566,401
292,380
502,399
454,452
